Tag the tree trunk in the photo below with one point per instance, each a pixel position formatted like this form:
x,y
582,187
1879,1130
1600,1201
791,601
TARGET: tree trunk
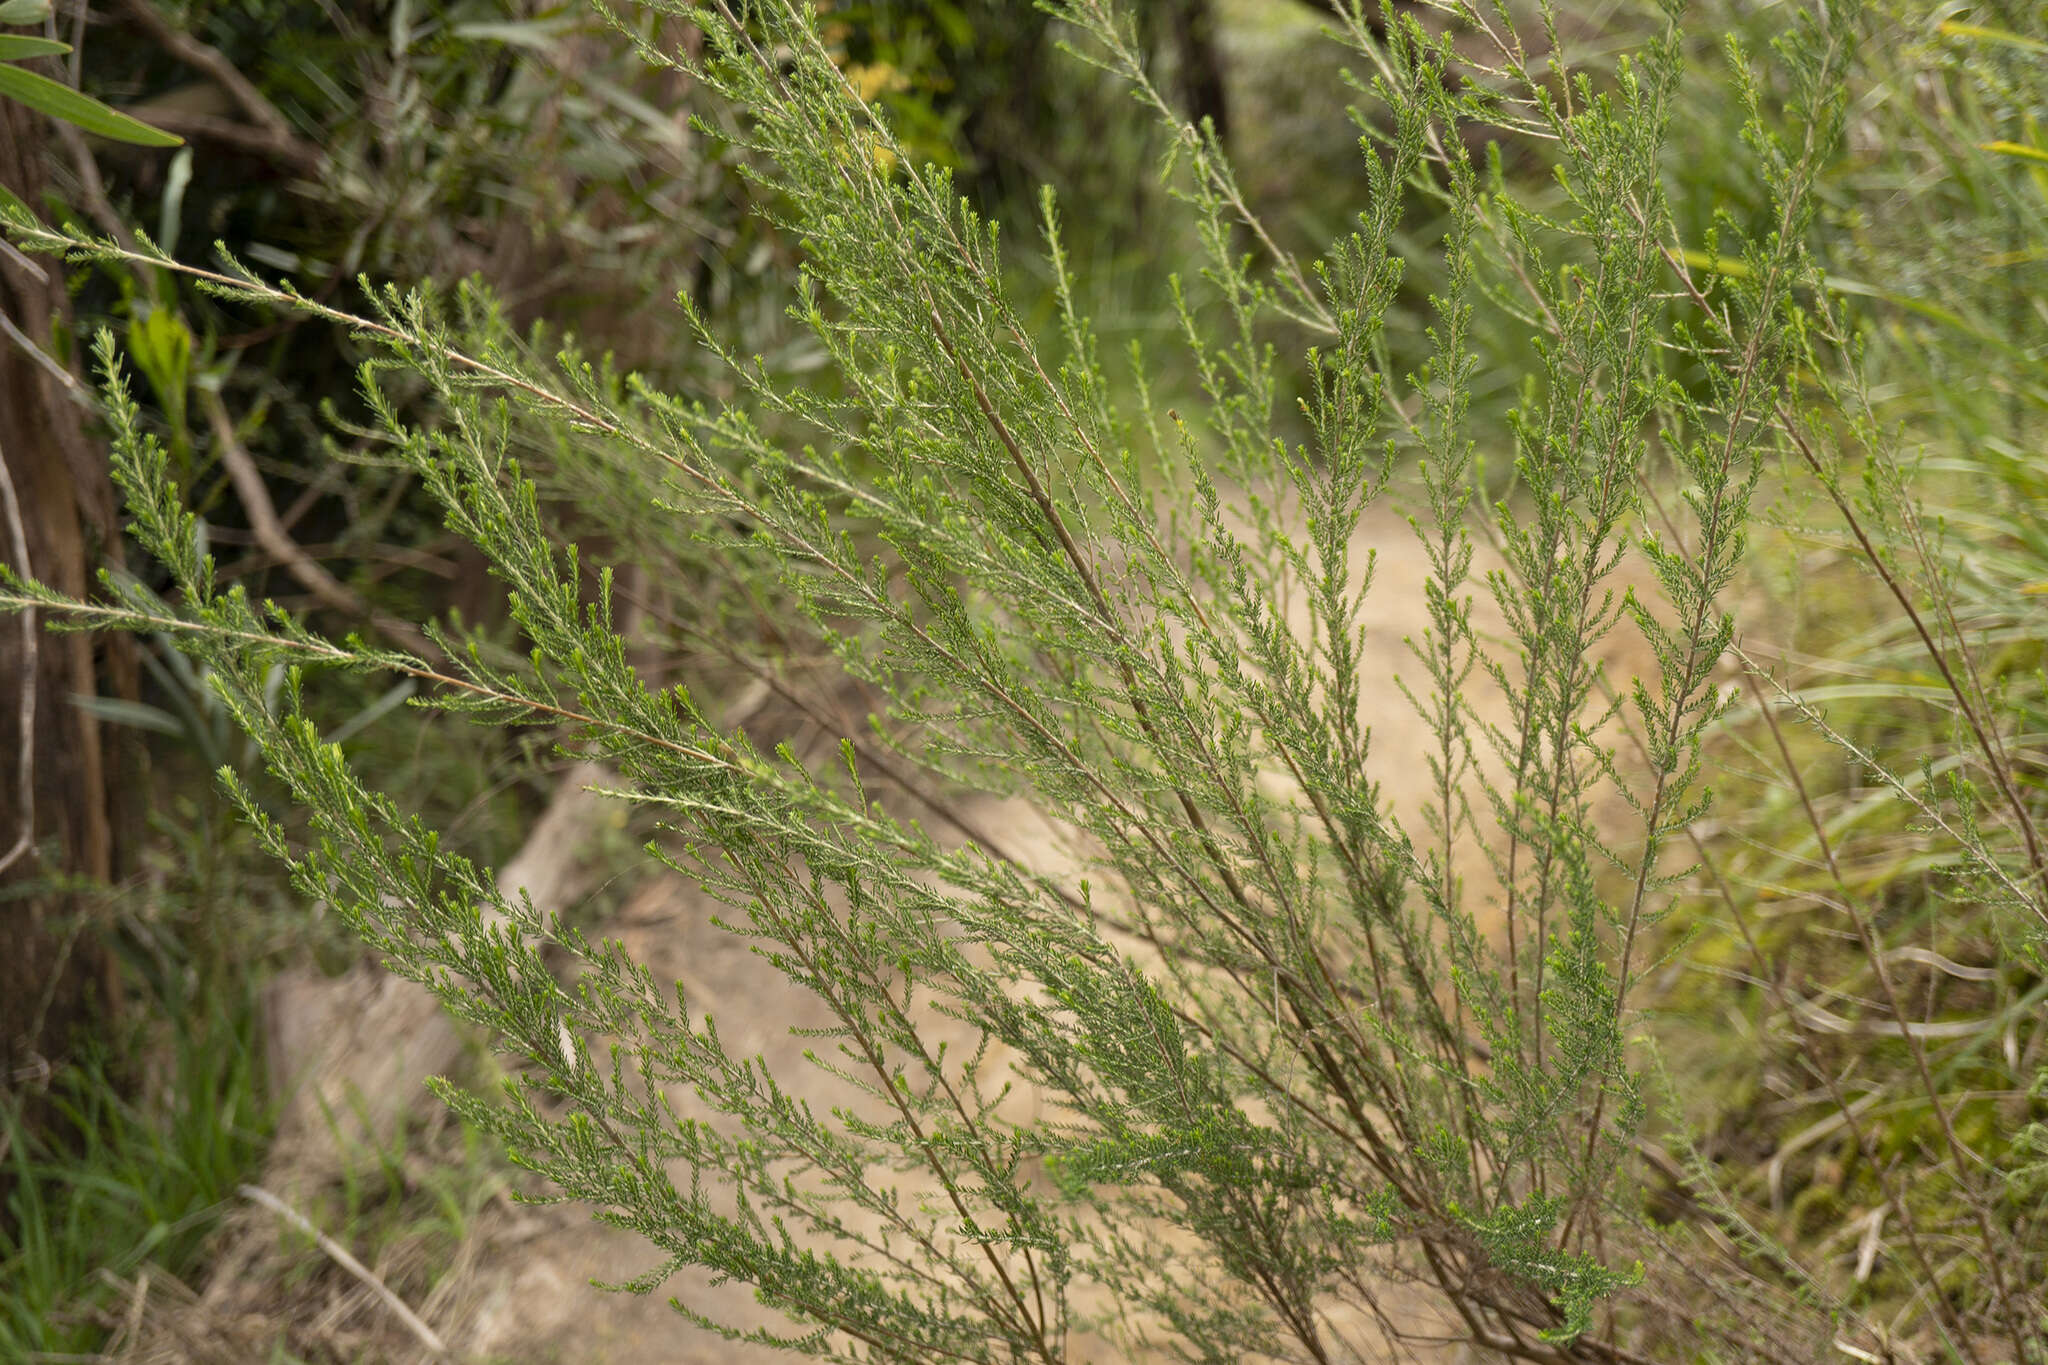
x,y
55,972
1191,37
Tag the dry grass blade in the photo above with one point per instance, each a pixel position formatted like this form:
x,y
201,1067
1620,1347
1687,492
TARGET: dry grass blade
x,y
342,1257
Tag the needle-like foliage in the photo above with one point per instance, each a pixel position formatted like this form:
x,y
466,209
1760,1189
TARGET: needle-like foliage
x,y
1308,1067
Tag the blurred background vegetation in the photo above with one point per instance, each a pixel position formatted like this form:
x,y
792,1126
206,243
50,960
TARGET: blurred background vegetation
x,y
408,141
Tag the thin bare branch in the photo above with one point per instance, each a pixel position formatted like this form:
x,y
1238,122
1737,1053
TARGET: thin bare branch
x,y
206,58
270,534
25,706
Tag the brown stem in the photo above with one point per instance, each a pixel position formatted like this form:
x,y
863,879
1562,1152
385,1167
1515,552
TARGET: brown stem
x,y
886,1083
1796,1017
270,534
261,140
205,57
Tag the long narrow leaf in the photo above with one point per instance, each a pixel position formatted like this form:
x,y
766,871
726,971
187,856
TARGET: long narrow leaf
x,y
15,46
46,96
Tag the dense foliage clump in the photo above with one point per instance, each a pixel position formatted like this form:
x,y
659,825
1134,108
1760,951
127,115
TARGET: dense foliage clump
x,y
1307,1067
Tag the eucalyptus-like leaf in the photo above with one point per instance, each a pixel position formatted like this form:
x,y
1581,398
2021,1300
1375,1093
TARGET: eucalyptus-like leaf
x,y
61,102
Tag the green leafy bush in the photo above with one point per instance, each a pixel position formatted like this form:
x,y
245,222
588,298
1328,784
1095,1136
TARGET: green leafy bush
x,y
1303,1062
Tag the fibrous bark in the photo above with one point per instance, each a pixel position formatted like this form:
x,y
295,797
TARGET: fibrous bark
x,y
54,973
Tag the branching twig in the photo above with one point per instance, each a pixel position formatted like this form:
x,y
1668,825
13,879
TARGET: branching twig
x,y
270,534
285,149
205,57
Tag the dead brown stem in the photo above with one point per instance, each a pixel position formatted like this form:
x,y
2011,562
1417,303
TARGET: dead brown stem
x,y
270,534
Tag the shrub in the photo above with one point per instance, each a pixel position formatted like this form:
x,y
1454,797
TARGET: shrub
x,y
1291,1062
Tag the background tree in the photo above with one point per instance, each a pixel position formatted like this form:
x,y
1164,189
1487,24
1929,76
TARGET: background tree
x,y
61,809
